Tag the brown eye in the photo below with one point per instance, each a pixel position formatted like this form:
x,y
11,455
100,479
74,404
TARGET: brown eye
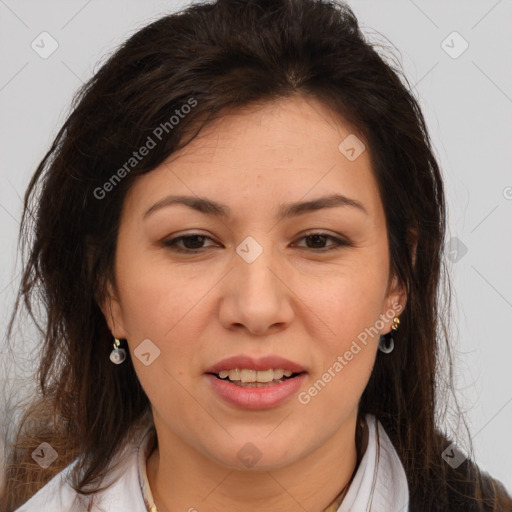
x,y
317,240
191,243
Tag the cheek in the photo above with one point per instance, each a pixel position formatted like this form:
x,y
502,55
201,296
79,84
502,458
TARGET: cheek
x,y
347,306
345,353
163,308
349,300
158,300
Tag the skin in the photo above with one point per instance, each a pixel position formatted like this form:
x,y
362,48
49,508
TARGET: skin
x,y
293,301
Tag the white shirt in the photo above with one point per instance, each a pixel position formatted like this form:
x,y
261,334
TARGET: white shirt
x,y
379,485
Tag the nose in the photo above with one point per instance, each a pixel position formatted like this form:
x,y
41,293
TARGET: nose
x,y
255,294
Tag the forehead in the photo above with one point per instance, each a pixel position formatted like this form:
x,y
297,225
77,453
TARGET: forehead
x,y
264,154
287,129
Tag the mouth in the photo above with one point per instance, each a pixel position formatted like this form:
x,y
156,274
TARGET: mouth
x,y
249,378
261,382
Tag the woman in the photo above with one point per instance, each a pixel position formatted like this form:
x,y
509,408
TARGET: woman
x,y
238,242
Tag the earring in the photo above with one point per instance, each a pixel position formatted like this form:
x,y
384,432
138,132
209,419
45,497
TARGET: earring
x,y
118,355
386,342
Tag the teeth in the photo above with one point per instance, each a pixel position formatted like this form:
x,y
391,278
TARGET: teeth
x,y
234,374
278,374
265,375
248,375
259,376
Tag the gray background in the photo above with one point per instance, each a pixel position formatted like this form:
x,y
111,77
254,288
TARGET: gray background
x,y
467,102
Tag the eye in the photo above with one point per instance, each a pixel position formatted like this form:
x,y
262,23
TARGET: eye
x,y
319,238
193,243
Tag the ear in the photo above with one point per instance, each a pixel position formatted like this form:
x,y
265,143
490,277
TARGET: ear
x,y
112,311
396,298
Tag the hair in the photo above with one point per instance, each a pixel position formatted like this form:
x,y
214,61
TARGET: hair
x,y
215,58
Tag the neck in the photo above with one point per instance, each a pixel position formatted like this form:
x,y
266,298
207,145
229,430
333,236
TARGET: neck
x,y
183,479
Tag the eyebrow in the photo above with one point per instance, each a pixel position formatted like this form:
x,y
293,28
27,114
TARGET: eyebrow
x,y
287,210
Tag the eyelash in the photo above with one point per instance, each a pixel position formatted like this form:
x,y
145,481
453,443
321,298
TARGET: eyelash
x,y
338,244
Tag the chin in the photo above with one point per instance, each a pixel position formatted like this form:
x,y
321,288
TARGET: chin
x,y
250,452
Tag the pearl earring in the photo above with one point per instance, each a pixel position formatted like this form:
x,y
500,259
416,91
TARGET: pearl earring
x,y
386,342
118,355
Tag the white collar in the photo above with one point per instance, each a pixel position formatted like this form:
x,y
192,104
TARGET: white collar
x,y
380,483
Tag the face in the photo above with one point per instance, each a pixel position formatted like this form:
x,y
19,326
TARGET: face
x,y
252,289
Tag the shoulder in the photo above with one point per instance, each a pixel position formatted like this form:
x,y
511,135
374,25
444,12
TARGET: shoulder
x,y
472,489
462,488
57,495
119,491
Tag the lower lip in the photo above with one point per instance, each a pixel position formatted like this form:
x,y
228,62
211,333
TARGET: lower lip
x,y
263,397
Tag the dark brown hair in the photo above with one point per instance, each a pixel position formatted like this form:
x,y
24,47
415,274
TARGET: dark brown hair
x,y
222,56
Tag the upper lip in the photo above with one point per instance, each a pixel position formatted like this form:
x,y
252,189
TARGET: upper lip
x,y
252,363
